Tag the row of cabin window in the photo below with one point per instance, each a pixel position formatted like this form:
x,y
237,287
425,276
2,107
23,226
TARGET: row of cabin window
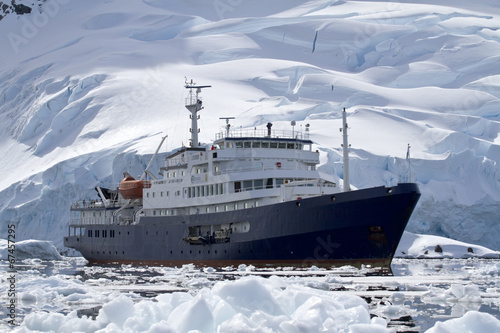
x,y
218,189
162,194
174,174
257,184
235,206
93,214
104,233
264,144
205,190
197,170
210,209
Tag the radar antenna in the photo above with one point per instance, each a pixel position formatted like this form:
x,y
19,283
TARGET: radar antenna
x,y
228,125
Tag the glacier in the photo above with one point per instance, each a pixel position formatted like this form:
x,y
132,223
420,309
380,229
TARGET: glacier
x,y
87,90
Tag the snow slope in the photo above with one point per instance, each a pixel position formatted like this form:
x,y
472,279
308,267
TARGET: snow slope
x,y
88,89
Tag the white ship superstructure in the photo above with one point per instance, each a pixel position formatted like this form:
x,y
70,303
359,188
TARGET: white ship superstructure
x,y
241,169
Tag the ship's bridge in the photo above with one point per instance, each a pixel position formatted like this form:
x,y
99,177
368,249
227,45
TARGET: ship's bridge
x,y
245,138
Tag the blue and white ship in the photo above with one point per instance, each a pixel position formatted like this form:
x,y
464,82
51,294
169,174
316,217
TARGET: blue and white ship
x,y
252,196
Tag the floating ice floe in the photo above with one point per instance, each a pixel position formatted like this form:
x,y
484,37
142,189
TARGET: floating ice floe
x,y
472,321
250,304
29,249
428,246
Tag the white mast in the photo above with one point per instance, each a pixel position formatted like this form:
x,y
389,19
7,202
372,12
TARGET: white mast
x,y
193,104
408,161
345,146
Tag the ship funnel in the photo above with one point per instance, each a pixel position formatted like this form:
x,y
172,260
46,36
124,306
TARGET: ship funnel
x,y
269,125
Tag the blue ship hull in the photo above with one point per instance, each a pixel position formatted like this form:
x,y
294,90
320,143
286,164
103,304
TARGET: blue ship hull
x,y
356,227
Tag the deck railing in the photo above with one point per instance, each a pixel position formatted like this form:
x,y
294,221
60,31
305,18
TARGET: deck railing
x,y
261,133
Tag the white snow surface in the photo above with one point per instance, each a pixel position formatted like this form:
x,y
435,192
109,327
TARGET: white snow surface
x,y
87,89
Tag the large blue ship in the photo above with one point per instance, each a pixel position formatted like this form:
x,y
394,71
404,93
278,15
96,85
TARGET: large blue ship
x,y
252,196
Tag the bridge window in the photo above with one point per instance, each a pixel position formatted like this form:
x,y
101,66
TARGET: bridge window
x,y
247,184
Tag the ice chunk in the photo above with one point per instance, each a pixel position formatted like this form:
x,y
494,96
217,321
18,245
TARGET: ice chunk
x,y
30,249
472,321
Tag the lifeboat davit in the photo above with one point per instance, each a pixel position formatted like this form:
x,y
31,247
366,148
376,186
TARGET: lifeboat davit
x,y
130,188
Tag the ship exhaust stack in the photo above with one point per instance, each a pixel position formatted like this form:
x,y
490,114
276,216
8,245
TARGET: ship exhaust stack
x,y
345,146
194,104
269,125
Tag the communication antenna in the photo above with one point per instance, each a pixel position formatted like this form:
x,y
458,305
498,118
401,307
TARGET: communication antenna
x,y
228,125
293,123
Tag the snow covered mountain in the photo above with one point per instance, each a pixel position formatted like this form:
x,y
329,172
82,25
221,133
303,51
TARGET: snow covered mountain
x,y
87,89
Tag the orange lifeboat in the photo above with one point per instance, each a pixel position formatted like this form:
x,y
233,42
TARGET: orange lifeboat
x,y
130,188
